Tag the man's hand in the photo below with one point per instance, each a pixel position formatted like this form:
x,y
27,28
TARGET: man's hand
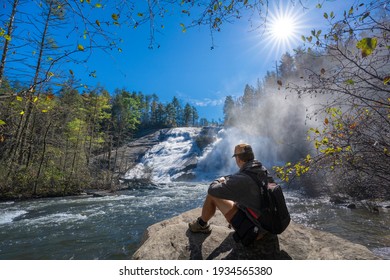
x,y
222,180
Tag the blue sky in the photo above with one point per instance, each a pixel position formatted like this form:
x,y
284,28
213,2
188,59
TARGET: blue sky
x,y
185,66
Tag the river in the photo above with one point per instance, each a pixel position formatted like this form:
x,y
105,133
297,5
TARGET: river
x,y
111,227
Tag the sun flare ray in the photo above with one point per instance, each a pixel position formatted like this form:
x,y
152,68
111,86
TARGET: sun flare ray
x,y
283,29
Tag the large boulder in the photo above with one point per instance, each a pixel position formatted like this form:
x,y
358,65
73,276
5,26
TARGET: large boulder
x,y
171,240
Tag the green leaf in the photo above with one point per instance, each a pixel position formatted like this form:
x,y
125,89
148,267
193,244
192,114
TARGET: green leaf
x,y
98,5
367,45
349,82
365,15
326,15
2,122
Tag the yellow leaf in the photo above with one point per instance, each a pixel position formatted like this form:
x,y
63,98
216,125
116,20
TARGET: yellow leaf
x,y
80,47
2,122
98,5
44,111
386,80
367,45
183,27
115,16
35,99
19,98
21,113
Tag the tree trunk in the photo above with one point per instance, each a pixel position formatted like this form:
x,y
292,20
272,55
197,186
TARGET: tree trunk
x,y
42,160
10,29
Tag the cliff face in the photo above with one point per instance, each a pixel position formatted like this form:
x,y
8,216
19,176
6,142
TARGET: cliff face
x,y
171,240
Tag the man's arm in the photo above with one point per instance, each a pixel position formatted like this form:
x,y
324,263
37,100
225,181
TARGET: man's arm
x,y
225,187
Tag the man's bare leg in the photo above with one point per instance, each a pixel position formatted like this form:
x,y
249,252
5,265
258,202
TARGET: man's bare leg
x,y
211,204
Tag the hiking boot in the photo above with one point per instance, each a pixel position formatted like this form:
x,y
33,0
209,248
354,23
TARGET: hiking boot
x,y
196,227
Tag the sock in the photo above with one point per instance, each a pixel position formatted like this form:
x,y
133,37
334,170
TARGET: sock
x,y
201,222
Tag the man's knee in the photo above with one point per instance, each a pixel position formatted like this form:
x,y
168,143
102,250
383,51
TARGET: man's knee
x,y
223,205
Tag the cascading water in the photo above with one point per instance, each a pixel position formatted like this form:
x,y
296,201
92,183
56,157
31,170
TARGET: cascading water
x,y
217,161
177,155
170,158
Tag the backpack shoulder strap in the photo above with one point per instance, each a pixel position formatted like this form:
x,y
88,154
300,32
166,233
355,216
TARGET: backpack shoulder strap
x,y
260,179
262,182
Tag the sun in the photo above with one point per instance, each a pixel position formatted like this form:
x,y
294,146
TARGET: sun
x,y
283,28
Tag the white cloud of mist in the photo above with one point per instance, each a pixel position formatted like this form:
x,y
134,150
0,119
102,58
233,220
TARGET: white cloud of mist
x,y
275,126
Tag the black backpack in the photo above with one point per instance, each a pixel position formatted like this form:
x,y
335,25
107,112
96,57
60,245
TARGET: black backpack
x,y
274,216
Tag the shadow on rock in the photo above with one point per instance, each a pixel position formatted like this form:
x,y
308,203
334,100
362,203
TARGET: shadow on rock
x,y
265,249
195,244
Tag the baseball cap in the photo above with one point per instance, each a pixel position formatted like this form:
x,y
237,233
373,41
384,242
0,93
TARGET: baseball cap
x,y
242,149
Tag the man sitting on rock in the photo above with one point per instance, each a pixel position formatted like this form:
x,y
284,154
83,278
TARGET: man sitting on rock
x,y
239,198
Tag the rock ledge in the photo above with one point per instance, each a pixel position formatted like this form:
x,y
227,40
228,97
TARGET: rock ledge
x,y
171,240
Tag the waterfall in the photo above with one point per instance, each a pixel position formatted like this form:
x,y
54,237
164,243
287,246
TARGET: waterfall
x,y
170,159
181,156
217,158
